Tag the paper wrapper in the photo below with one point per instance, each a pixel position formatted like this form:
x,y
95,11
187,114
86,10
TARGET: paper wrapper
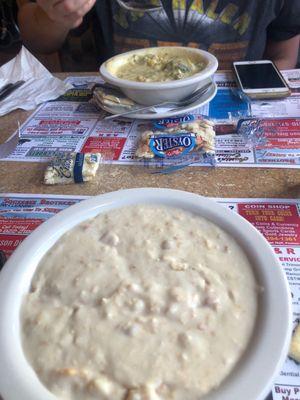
x,y
40,85
68,168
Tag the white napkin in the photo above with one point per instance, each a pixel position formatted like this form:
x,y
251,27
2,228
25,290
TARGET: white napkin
x,y
40,85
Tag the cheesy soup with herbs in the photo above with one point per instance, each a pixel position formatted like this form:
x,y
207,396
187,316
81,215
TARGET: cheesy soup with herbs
x,y
160,67
140,303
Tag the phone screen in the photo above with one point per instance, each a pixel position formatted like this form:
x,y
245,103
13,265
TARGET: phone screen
x,y
259,76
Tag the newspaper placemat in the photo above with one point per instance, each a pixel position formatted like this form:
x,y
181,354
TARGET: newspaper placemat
x,y
277,219
72,123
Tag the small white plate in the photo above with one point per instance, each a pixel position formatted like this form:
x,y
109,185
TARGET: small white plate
x,y
208,96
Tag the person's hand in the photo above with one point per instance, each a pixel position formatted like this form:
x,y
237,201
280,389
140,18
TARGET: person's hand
x,y
67,13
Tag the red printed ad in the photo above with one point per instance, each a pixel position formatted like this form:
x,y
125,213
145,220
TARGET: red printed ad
x,y
109,147
279,223
281,143
14,230
9,243
281,133
66,126
18,225
281,126
22,214
273,140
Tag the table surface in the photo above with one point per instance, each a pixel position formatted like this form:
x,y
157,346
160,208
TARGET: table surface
x,y
20,177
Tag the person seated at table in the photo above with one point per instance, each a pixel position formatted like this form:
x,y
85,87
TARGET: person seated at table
x,y
232,30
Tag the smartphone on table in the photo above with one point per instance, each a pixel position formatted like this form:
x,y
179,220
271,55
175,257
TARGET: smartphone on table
x,y
260,79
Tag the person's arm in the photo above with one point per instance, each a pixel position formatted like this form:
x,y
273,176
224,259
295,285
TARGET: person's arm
x,y
45,24
283,35
284,53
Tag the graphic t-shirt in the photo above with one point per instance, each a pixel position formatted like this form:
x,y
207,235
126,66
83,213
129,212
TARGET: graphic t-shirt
x,y
9,31
232,30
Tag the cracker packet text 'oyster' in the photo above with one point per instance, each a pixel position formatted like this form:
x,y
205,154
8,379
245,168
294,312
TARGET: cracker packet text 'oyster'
x,y
174,143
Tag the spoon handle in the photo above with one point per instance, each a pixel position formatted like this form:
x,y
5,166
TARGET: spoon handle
x,y
132,111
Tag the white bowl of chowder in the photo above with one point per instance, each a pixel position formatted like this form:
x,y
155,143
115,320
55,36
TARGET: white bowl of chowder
x,y
153,75
143,294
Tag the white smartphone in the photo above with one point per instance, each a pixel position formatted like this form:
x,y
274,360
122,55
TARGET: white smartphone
x,y
260,79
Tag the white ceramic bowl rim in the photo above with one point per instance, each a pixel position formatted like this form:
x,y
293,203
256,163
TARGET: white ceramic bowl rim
x,y
254,374
210,69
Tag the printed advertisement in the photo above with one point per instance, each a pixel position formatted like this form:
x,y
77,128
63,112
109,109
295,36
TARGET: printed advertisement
x,y
277,219
273,140
21,214
74,123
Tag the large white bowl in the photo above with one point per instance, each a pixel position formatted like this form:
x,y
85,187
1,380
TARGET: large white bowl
x,y
150,93
254,374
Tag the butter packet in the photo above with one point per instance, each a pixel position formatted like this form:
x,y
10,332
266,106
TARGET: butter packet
x,y
294,351
68,168
178,142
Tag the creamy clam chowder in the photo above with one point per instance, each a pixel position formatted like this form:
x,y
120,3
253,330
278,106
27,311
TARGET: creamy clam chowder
x,y
140,303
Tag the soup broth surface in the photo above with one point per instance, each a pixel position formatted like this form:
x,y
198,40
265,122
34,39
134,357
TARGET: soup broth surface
x,y
161,67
